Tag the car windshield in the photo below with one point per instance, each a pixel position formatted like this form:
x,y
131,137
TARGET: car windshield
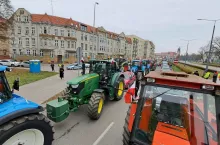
x,y
178,113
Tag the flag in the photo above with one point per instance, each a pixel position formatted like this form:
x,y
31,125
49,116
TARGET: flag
x,y
112,61
82,60
130,94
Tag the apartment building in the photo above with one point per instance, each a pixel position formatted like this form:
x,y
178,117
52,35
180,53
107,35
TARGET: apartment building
x,y
141,48
51,38
4,40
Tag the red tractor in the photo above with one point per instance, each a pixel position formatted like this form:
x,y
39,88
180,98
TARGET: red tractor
x,y
173,109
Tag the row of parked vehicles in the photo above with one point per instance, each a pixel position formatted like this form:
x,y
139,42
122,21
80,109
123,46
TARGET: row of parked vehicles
x,y
12,63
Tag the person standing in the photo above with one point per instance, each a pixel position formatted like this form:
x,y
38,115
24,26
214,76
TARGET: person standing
x,y
83,66
61,72
196,73
52,66
215,77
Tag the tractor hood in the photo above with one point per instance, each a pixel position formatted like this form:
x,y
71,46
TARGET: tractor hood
x,y
82,78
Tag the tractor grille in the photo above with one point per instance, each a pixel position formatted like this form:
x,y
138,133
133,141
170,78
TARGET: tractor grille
x,y
77,90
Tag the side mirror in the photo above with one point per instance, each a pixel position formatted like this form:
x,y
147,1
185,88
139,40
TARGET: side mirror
x,y
16,84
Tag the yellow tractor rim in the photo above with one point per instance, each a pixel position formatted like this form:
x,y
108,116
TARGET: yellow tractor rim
x,y
100,105
120,87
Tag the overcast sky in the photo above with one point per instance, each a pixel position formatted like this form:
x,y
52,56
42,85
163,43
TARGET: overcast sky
x,y
165,22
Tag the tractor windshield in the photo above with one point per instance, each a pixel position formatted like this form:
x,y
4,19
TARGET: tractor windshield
x,y
4,88
177,115
135,63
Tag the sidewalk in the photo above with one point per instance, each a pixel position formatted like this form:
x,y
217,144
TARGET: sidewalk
x,y
203,66
42,90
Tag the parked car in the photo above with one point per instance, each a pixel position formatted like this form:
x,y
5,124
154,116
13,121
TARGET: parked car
x,y
87,65
8,62
74,66
129,79
25,64
166,68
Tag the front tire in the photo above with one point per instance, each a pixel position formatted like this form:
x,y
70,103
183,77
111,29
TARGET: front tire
x,y
126,132
119,92
33,129
95,105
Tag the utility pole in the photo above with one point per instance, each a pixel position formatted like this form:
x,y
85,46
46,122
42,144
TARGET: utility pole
x,y
51,1
210,49
187,49
93,40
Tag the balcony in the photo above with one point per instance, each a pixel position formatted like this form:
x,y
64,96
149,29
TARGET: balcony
x,y
59,37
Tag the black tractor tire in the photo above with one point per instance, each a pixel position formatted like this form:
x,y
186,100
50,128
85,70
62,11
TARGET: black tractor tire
x,y
126,132
117,96
93,105
33,121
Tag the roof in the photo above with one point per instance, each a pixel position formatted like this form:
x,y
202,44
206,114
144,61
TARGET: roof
x,y
175,77
60,21
129,41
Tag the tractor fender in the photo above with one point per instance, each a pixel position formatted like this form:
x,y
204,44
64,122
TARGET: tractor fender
x,y
17,106
99,90
115,78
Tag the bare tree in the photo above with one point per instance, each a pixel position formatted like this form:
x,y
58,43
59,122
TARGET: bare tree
x,y
6,11
203,53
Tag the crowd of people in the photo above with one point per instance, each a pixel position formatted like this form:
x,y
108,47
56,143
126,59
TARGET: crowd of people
x,y
207,75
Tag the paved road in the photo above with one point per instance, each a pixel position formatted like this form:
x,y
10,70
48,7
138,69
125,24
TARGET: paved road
x,y
78,129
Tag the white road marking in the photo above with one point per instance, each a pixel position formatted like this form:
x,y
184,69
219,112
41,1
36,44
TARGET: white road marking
x,y
103,134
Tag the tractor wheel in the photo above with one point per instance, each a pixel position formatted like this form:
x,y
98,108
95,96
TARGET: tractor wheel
x,y
32,129
126,132
95,105
119,92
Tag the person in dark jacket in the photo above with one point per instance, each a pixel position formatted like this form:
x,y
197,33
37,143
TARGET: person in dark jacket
x,y
61,72
196,73
52,66
215,76
83,68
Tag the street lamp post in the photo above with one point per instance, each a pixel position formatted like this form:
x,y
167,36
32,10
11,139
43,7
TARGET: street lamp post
x,y
187,48
210,49
96,3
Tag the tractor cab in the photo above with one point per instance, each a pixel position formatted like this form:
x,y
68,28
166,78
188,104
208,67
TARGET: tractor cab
x,y
174,108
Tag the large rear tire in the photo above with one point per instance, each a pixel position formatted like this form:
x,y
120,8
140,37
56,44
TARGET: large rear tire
x,y
95,105
126,132
119,92
33,129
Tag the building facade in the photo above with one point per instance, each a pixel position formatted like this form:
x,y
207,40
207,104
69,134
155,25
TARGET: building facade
x,y
51,38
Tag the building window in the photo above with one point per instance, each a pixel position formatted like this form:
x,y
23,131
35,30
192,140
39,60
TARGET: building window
x,y
85,54
62,43
19,41
68,44
33,41
45,30
52,54
56,42
56,32
41,53
91,37
45,42
62,32
66,55
95,39
81,36
34,53
73,33
33,30
28,52
90,47
85,46
26,18
94,47
14,51
26,30
19,30
20,52
18,18
82,46
85,37
27,42
72,44
83,28
68,33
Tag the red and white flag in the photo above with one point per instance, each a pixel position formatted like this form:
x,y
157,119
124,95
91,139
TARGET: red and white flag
x,y
130,94
82,60
112,60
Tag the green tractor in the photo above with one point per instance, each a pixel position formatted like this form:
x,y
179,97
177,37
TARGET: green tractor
x,y
92,89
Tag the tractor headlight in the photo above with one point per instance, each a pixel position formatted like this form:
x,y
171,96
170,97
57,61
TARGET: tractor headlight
x,y
150,80
74,86
208,87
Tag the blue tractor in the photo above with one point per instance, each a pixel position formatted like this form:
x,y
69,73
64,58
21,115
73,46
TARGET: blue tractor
x,y
138,68
21,121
